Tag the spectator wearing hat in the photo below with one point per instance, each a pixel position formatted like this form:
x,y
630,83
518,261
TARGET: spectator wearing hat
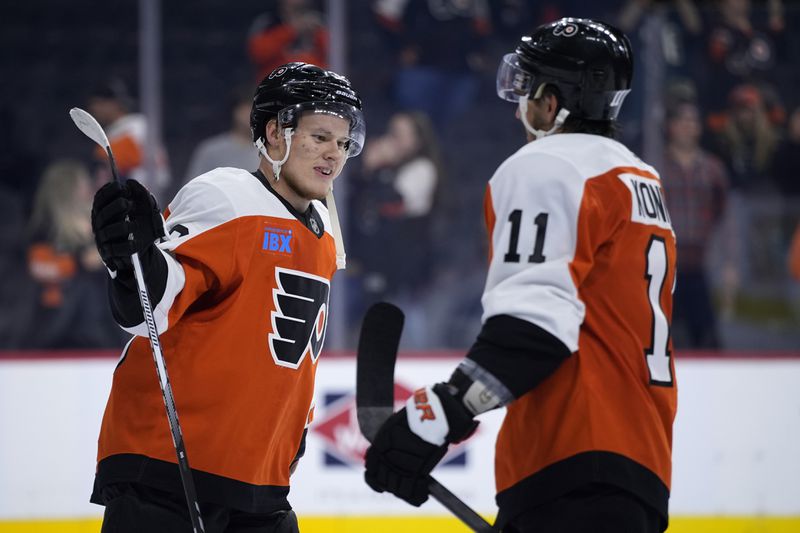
x,y
112,105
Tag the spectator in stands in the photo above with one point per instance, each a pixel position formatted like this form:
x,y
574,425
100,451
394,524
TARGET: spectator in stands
x,y
632,12
696,187
234,148
403,173
680,26
665,31
295,32
746,139
786,163
439,47
794,255
112,105
794,272
68,307
739,49
786,173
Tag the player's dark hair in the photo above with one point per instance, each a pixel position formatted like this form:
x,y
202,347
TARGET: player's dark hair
x,y
604,128
573,124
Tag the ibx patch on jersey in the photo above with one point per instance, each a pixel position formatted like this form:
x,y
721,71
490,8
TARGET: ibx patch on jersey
x,y
300,317
278,240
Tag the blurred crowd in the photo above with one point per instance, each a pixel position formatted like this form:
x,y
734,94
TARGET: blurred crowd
x,y
721,119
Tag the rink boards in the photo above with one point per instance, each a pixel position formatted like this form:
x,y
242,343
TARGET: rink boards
x,y
736,465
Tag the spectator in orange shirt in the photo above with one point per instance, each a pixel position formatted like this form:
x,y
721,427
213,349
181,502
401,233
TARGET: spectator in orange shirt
x,y
794,271
296,33
112,105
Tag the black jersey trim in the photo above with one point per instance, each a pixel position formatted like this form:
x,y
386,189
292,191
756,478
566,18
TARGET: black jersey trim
x,y
516,352
163,475
580,470
306,218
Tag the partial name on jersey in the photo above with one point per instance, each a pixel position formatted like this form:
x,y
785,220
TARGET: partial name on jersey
x,y
647,201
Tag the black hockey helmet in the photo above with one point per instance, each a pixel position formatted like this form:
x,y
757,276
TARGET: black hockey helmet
x,y
589,62
295,88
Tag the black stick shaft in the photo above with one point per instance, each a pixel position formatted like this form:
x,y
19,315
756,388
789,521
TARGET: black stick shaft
x,y
163,379
169,399
376,358
113,162
460,509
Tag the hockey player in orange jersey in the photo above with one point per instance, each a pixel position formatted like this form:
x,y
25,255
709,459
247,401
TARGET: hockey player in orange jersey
x,y
240,284
575,338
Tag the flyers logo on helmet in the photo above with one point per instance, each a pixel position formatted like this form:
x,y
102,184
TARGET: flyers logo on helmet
x,y
567,30
300,317
280,71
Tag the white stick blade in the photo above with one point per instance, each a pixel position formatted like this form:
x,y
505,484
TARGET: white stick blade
x,y
89,126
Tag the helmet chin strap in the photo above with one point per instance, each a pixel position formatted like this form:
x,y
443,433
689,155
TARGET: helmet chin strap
x,y
276,165
538,134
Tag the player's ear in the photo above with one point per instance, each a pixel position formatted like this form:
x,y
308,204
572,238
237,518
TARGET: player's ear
x,y
551,104
272,133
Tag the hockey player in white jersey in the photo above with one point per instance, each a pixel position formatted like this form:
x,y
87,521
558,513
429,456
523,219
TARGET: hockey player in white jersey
x,y
577,304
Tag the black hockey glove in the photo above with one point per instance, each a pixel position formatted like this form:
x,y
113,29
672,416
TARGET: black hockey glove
x,y
125,219
414,439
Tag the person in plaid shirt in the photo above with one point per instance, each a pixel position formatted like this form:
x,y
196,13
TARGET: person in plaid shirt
x,y
696,188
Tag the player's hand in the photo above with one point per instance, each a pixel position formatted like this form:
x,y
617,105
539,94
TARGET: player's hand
x,y
125,219
412,442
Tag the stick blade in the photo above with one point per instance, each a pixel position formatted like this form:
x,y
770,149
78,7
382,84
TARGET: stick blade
x,y
377,352
89,126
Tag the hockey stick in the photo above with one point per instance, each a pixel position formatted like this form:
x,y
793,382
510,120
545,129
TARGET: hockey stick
x,y
89,126
377,353
337,231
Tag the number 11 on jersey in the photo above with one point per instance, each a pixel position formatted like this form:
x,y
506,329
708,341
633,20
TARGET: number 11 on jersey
x,y
512,256
657,353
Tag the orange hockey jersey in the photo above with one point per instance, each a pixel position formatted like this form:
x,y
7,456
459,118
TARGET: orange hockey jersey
x,y
582,246
242,323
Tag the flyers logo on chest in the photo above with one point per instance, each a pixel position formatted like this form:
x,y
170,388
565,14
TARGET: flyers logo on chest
x,y
300,317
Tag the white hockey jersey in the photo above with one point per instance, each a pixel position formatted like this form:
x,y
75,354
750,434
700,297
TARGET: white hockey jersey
x,y
582,246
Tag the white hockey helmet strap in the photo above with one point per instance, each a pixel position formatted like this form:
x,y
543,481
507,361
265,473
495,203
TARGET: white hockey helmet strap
x,y
561,116
276,165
